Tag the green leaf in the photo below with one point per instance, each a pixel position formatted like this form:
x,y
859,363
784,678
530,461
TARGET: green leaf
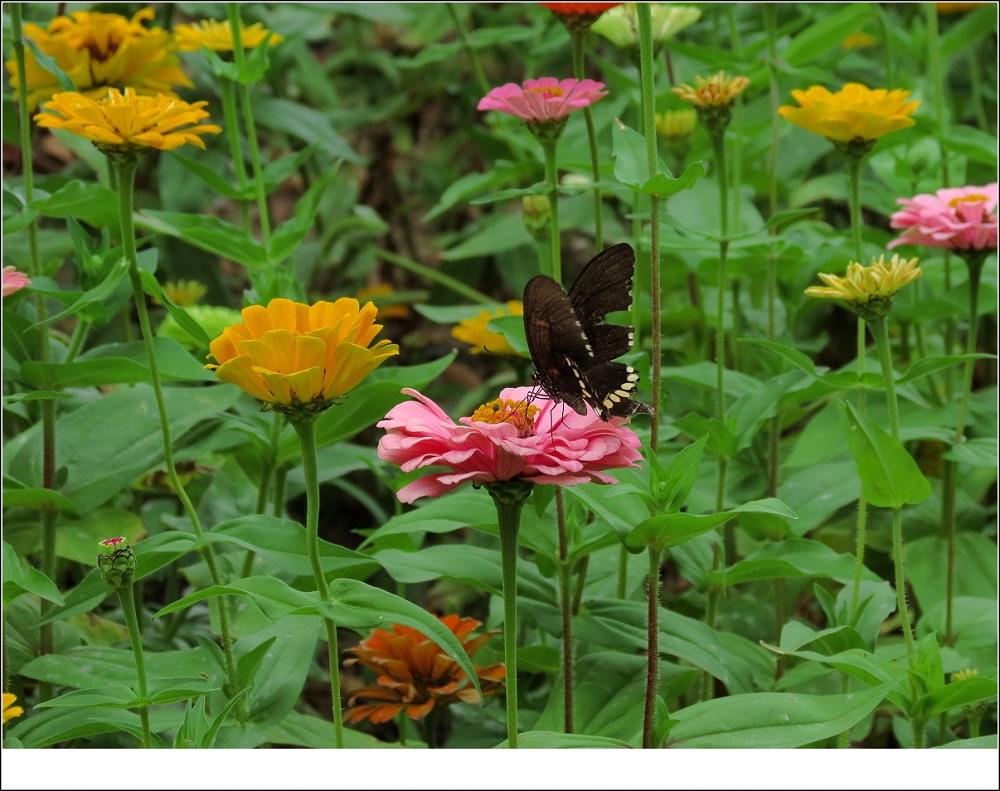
x,y
979,743
796,557
113,696
978,452
99,294
209,175
304,730
628,149
42,499
553,740
49,64
890,477
77,539
541,188
680,477
772,719
462,189
20,577
825,35
303,122
955,694
152,287
207,233
976,144
289,235
663,185
930,365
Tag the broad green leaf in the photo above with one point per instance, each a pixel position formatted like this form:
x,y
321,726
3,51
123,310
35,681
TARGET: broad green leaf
x,y
825,35
680,476
92,666
930,365
100,293
207,233
976,144
52,726
955,694
554,740
796,557
113,696
20,577
303,122
462,189
978,452
209,175
628,149
283,669
77,539
772,719
663,186
181,316
42,499
442,515
304,730
890,477
289,235
541,188
979,743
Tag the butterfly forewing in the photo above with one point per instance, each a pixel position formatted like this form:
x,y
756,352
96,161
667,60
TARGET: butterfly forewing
x,y
604,285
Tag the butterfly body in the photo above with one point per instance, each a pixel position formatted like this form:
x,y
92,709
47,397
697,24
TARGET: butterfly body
x,y
571,346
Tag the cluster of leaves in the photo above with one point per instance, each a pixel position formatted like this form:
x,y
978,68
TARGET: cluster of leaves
x,y
379,169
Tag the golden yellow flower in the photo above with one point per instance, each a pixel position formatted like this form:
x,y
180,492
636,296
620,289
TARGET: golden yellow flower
x,y
389,310
868,290
719,90
9,709
99,51
480,337
961,675
676,125
854,113
184,292
301,359
858,41
219,36
124,122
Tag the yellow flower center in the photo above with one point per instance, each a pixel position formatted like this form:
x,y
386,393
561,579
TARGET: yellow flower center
x,y
548,91
974,198
518,413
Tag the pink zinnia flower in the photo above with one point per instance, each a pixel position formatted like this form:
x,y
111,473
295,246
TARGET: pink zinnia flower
x,y
13,281
544,99
958,218
505,439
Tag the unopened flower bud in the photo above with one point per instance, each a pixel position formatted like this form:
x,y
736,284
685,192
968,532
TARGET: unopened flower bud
x,y
116,560
537,214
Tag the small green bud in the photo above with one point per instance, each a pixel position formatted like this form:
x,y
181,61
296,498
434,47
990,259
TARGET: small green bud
x,y
537,214
116,561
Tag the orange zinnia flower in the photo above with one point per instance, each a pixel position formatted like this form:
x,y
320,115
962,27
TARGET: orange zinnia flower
x,y
414,674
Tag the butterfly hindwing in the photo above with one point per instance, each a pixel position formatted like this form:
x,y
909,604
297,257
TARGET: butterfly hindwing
x,y
572,348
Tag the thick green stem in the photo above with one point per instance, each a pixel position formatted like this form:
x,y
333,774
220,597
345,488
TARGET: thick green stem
x,y
127,599
433,275
306,429
579,39
552,177
477,67
652,648
646,76
880,331
231,122
258,175
508,505
126,185
566,607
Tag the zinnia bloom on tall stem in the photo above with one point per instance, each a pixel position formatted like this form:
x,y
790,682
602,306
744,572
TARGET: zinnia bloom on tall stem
x,y
299,358
957,218
868,290
543,100
578,17
218,36
98,51
414,675
13,280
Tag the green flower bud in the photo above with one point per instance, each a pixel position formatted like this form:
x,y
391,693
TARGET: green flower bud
x,y
116,561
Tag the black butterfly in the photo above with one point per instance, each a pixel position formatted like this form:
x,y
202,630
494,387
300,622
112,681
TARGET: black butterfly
x,y
573,350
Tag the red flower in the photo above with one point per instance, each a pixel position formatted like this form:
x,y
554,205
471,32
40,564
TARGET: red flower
x,y
579,9
414,675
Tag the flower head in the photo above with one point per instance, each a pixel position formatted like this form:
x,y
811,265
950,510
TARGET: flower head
x,y
184,292
853,116
504,440
543,101
859,40
98,51
116,562
9,709
480,337
301,359
13,280
578,17
868,290
414,675
713,98
217,35
621,26
676,125
127,123
957,218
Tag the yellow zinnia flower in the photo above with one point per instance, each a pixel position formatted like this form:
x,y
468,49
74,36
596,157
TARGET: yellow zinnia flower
x,y
301,359
480,337
126,122
676,125
99,51
868,290
9,709
184,292
719,90
219,36
853,114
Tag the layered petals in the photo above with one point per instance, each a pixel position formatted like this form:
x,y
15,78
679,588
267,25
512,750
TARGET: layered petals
x,y
542,100
218,36
957,218
414,675
854,113
509,438
13,280
294,356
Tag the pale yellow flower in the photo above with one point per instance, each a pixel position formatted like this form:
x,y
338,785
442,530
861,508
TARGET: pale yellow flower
x,y
219,36
620,25
184,292
719,90
962,675
98,51
298,358
126,122
854,113
480,337
675,125
868,290
9,709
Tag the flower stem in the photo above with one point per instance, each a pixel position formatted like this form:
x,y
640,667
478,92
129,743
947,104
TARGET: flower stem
x,y
566,606
306,429
126,185
433,275
477,67
646,72
509,499
258,178
622,585
552,177
652,647
880,331
579,39
904,610
127,599
232,124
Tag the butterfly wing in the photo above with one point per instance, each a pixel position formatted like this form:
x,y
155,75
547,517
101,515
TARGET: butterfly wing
x,y
604,286
613,385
